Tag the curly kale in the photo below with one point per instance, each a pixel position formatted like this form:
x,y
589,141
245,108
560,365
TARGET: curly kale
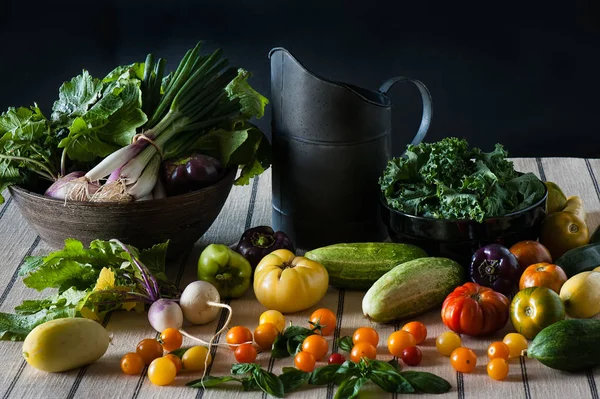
x,y
449,180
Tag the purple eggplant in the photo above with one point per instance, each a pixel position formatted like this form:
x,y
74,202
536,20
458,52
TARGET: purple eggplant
x,y
494,266
258,242
189,173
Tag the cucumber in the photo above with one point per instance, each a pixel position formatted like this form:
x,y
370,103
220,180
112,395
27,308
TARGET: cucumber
x,y
596,236
357,266
412,288
568,345
580,259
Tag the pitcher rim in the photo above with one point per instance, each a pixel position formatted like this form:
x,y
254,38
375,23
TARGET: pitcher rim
x,y
334,83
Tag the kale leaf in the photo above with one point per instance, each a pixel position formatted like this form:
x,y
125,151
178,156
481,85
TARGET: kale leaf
x,y
449,180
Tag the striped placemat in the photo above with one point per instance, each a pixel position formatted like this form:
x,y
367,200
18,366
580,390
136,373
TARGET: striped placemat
x,y
249,206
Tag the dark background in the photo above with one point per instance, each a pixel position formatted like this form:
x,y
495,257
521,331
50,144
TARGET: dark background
x,y
522,73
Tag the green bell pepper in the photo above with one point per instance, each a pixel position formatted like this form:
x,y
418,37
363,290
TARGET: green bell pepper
x,y
226,269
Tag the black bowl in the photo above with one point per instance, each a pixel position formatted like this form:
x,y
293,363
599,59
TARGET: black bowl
x,y
459,239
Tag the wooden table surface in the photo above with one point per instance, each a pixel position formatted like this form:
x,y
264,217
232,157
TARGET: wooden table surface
x,y
249,206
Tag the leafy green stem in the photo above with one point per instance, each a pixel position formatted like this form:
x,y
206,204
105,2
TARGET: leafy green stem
x,y
50,175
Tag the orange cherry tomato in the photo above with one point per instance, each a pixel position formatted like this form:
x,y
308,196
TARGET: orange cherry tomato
x,y
317,345
365,334
463,360
417,329
245,353
326,319
132,364
238,335
400,340
363,349
149,349
497,369
498,350
265,335
543,275
529,252
171,339
304,361
176,361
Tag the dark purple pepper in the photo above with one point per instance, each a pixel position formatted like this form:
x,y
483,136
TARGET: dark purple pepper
x,y
494,266
258,242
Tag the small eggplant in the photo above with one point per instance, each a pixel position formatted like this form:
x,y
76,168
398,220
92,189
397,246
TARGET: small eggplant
x,y
189,173
494,266
258,242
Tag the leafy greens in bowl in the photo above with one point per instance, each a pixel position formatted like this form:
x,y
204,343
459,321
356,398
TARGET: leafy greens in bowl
x,y
449,180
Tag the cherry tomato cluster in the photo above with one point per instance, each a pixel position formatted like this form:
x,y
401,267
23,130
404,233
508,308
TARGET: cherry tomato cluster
x,y
163,368
464,359
315,347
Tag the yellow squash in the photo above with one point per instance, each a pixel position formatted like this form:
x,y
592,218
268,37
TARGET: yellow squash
x,y
289,283
581,295
65,344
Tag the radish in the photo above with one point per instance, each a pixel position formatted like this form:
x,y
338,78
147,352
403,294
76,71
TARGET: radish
x,y
200,302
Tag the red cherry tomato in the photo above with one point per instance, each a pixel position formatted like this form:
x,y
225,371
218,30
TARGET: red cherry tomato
x,y
336,358
412,356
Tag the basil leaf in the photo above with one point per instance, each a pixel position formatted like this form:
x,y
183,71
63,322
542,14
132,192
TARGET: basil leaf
x,y
279,349
391,381
324,375
294,344
349,389
345,343
210,381
293,331
426,382
292,378
243,368
249,384
179,352
347,370
385,366
395,364
268,382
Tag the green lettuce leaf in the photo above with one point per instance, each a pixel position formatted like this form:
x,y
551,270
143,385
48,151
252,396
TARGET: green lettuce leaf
x,y
75,97
252,102
155,259
15,327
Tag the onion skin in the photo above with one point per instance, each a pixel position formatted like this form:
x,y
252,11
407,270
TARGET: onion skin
x,y
73,186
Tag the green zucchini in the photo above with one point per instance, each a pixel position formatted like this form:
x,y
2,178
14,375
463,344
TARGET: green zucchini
x,y
357,266
412,288
568,345
596,236
580,259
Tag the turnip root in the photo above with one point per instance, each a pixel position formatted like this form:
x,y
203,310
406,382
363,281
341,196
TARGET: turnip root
x,y
198,302
165,313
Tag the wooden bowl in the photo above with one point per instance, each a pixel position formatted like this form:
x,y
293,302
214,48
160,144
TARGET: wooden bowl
x,y
182,219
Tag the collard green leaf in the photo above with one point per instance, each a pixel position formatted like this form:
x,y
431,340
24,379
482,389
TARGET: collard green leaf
x,y
252,102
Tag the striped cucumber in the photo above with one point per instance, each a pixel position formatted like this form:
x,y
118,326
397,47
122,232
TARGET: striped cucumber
x,y
357,266
412,288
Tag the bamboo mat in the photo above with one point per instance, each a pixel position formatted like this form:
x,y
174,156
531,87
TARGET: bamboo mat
x,y
249,206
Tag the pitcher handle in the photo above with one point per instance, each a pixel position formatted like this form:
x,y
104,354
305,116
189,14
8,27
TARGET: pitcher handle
x,y
427,103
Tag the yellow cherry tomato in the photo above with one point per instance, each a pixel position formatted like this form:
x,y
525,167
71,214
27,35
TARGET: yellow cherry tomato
x,y
516,343
194,358
289,283
446,342
274,317
497,369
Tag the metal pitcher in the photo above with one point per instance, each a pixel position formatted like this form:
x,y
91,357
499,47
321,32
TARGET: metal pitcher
x,y
331,142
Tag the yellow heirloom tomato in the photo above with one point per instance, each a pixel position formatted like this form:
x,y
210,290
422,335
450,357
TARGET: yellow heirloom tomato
x,y
289,283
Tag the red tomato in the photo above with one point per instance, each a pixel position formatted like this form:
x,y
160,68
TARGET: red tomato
x,y
543,275
475,310
245,353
